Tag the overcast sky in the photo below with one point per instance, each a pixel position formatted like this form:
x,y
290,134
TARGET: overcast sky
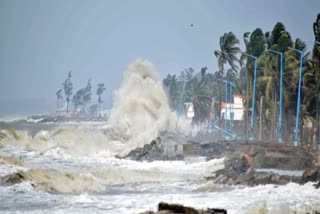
x,y
41,40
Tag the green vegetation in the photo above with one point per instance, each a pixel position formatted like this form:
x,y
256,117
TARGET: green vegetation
x,y
203,88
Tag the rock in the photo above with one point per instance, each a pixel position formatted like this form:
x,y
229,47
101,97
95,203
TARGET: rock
x,y
230,181
165,208
176,208
220,172
244,178
250,170
262,179
13,178
280,156
311,175
149,152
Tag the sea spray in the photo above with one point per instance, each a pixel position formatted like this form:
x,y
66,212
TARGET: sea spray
x,y
140,109
139,114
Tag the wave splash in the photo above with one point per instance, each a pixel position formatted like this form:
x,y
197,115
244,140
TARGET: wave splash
x,y
140,113
140,110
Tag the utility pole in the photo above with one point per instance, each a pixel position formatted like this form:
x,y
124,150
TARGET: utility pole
x,y
296,132
260,127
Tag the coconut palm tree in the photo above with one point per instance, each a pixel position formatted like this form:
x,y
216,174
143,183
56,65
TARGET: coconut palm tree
x,y
173,85
228,51
316,64
227,54
255,44
201,91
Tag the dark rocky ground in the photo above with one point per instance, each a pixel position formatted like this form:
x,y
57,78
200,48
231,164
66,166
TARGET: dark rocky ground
x,y
164,208
246,163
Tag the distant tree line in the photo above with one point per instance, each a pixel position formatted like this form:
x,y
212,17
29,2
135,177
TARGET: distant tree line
x,y
81,98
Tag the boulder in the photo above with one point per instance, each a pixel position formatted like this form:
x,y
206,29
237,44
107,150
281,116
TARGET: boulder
x,y
149,152
311,175
165,208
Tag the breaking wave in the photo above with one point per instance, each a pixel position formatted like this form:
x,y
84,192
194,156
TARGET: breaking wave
x,y
140,113
140,109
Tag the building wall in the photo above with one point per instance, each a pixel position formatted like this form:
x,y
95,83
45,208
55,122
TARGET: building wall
x,y
233,110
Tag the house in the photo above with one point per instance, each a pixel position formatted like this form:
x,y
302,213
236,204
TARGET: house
x,y
189,110
233,110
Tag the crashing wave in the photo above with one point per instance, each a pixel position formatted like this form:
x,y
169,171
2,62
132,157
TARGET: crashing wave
x,y
140,113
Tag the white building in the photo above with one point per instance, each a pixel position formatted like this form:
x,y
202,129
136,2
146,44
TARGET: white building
x,y
233,110
189,110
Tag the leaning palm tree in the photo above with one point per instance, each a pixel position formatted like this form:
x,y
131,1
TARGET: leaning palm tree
x,y
227,54
228,51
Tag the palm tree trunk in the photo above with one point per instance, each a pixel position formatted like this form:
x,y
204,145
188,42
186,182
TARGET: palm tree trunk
x,y
271,137
301,129
273,115
275,104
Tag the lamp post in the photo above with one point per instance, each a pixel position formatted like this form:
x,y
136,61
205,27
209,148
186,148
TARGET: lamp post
x,y
228,98
280,96
180,103
253,95
296,132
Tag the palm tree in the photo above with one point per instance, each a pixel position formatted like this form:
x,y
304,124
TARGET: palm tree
x,y
228,51
201,91
316,64
255,44
230,75
227,54
173,86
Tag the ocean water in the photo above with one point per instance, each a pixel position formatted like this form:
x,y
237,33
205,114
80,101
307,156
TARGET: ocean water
x,y
72,167
104,184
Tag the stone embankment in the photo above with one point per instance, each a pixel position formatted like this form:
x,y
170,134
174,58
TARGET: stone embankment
x,y
246,163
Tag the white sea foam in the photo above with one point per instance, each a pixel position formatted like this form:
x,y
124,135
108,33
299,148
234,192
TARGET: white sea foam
x,y
9,169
